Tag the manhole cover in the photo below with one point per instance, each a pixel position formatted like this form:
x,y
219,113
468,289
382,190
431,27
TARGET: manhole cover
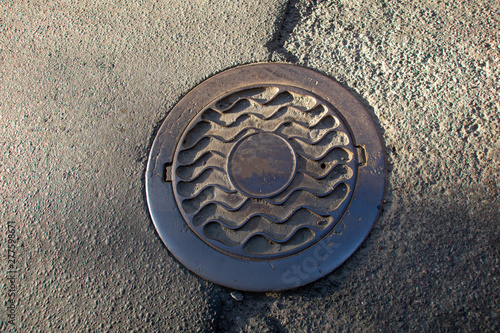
x,y
265,177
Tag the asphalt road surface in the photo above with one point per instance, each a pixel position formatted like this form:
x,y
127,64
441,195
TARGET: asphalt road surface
x,y
84,86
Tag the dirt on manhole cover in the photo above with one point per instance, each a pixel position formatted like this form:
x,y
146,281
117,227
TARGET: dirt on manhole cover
x,y
265,177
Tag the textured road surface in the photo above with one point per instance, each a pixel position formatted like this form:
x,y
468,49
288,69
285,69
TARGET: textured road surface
x,y
84,86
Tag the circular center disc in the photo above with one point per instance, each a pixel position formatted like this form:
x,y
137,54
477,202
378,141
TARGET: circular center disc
x,y
262,165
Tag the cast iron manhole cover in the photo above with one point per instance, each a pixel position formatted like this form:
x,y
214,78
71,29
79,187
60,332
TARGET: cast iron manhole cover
x,y
265,177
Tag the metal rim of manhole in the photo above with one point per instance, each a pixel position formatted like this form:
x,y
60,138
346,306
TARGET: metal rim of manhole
x,y
265,177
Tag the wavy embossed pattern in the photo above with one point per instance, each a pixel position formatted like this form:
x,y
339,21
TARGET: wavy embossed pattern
x,y
288,221
277,232
237,218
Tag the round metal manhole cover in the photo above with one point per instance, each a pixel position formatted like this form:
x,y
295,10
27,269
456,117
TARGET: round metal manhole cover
x,y
265,177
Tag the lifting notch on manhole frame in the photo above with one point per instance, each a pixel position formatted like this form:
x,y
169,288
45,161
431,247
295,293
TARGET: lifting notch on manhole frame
x,y
167,172
361,155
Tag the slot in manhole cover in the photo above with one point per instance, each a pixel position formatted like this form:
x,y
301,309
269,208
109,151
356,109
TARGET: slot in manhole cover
x,y
265,177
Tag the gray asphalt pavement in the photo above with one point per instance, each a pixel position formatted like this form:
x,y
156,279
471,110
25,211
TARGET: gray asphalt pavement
x,y
85,85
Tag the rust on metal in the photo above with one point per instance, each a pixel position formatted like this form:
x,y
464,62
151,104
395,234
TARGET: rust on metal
x,y
263,172
268,167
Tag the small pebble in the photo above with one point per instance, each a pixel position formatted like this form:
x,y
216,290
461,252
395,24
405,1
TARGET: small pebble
x,y
237,296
